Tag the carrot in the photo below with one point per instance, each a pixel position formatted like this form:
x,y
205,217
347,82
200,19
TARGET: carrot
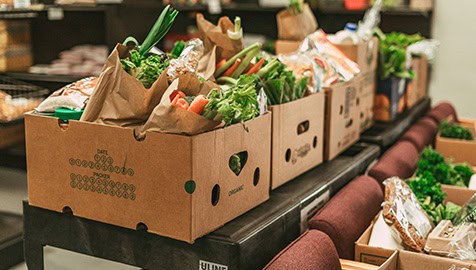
x,y
181,103
176,93
176,98
198,104
232,69
256,67
221,63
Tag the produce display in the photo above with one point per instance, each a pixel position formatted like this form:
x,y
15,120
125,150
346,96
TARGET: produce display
x,y
452,130
432,163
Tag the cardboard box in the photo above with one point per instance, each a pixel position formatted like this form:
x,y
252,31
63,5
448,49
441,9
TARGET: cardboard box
x,y
365,54
342,118
459,151
390,99
287,46
176,186
417,88
366,98
16,58
377,255
406,260
421,4
298,138
14,33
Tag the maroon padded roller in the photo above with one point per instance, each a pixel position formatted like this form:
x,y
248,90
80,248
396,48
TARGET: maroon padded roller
x,y
421,134
442,111
348,214
400,160
313,250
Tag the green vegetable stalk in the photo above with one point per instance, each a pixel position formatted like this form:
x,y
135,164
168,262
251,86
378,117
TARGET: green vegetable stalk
x,y
143,66
253,49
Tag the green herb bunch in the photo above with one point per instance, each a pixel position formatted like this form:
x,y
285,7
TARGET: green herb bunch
x,y
434,163
455,131
234,105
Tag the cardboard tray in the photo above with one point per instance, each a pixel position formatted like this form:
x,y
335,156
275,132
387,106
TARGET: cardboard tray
x,y
297,138
248,242
460,151
386,134
11,240
406,260
176,186
377,255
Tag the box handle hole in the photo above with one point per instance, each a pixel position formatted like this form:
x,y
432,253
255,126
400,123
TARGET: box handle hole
x,y
349,123
67,210
256,177
138,137
288,155
237,162
314,142
215,195
303,127
63,124
341,109
357,101
142,227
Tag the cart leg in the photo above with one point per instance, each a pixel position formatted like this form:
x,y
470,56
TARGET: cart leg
x,y
34,256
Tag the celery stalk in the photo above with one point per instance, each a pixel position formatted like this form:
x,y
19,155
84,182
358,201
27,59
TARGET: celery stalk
x,y
232,60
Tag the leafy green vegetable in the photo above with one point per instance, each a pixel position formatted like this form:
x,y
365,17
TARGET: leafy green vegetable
x,y
434,163
431,197
235,105
280,84
179,46
467,214
392,54
455,131
142,65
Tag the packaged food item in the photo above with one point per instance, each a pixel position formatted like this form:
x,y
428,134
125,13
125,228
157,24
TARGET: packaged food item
x,y
403,212
346,68
187,61
303,66
453,241
73,96
13,108
468,213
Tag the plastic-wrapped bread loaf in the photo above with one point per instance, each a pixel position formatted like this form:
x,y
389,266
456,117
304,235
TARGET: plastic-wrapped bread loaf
x,y
402,211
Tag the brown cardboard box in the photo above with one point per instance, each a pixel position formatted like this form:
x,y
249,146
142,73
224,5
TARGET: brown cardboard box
x,y
14,33
366,98
287,46
177,186
417,88
342,118
298,137
459,151
16,58
376,255
406,260
365,54
421,4
457,195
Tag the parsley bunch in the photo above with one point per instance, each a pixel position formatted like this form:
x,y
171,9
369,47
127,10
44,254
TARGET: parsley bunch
x,y
455,131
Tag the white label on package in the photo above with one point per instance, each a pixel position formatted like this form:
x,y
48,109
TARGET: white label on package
x,y
55,14
204,265
417,218
309,210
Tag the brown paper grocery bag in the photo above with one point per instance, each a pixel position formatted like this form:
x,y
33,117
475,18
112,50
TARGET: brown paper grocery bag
x,y
216,37
169,119
296,26
119,99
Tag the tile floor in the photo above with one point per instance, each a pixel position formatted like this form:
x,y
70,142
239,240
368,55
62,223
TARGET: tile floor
x,y
13,189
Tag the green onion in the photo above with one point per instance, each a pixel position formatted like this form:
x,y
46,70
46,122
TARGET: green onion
x,y
159,30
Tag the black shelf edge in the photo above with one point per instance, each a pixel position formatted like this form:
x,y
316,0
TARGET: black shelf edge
x,y
43,77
